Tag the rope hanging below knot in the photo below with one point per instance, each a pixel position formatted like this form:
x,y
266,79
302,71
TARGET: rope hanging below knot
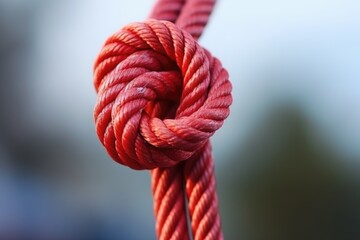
x,y
161,96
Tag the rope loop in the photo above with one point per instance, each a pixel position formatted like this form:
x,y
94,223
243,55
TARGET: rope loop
x,y
160,95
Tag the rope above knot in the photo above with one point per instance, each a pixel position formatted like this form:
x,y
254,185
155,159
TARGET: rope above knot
x,y
160,95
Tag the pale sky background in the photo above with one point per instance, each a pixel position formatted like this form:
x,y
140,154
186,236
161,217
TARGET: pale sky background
x,y
302,52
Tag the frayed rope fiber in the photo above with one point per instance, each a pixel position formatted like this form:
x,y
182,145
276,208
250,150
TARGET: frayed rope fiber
x,y
160,97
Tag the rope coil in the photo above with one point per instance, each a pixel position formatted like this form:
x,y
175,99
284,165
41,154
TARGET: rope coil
x,y
161,96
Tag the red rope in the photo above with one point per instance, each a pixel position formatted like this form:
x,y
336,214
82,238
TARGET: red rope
x,y
160,98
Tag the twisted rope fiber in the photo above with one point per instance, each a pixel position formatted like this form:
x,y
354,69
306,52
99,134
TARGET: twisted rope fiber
x,y
161,96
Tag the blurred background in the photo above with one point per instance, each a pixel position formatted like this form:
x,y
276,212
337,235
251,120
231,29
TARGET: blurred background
x,y
287,159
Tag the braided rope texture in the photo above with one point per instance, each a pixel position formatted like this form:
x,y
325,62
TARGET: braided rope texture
x,y
161,96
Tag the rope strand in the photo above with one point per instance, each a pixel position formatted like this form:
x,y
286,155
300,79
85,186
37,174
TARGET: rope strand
x,y
161,96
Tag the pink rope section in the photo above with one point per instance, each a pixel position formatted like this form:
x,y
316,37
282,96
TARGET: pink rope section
x,y
161,96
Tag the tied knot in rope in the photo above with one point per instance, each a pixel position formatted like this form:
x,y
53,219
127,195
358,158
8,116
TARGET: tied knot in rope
x,y
160,95
160,98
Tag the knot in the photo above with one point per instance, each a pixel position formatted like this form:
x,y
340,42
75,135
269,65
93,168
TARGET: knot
x,y
160,95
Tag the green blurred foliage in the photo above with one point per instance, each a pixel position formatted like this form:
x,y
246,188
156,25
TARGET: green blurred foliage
x,y
283,184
